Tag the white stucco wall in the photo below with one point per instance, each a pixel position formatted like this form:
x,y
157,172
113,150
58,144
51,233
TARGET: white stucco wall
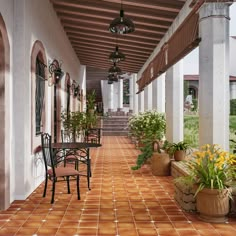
x,y
26,22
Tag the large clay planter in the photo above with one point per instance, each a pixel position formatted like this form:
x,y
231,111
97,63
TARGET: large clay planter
x,y
179,155
213,205
160,164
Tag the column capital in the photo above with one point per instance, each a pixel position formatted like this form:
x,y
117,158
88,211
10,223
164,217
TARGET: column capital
x,y
214,9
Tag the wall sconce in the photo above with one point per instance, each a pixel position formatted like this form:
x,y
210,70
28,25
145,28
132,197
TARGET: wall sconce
x,y
55,71
75,89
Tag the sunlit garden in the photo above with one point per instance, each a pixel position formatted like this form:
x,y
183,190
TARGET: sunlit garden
x,y
191,125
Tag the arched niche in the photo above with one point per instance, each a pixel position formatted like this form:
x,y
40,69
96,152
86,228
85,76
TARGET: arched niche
x,y
38,50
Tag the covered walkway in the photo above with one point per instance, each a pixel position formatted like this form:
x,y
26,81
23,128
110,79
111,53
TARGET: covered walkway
x,y
122,202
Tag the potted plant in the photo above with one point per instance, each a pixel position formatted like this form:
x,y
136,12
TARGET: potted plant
x,y
73,122
151,126
135,126
148,125
212,170
178,150
91,99
90,120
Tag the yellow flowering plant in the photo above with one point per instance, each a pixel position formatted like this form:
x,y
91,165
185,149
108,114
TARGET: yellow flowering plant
x,y
212,167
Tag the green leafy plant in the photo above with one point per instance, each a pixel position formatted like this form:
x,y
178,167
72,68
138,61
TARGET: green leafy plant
x,y
91,99
166,146
90,120
211,167
146,153
73,122
173,147
148,125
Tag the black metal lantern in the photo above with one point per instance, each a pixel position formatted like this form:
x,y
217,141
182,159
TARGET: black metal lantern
x,y
114,70
122,24
55,71
116,56
113,77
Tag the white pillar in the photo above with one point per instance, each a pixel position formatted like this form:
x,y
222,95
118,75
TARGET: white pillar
x,y
174,103
135,89
120,95
131,94
148,97
141,101
158,94
110,97
232,90
214,74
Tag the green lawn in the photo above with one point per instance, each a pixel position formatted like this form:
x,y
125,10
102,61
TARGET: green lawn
x,y
191,125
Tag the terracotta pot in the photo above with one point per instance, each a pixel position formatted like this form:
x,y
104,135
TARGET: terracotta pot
x,y
179,155
213,205
160,164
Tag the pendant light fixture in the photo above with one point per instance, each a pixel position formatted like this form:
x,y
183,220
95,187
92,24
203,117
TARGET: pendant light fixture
x,y
122,24
113,78
114,70
116,56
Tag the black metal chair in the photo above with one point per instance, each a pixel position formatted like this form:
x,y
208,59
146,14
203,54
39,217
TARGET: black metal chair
x,y
93,135
70,157
77,157
55,170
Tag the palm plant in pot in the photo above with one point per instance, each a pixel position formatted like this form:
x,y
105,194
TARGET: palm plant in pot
x,y
91,99
152,127
212,170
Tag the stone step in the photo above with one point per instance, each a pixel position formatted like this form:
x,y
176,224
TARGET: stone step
x,y
114,129
123,124
115,126
114,119
114,133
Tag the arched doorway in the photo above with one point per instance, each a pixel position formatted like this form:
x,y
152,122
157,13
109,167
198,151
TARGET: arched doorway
x,y
4,114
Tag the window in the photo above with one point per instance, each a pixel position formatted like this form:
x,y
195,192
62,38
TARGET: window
x,y
39,94
126,91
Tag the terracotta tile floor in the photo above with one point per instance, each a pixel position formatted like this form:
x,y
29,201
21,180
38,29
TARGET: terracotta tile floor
x,y
122,202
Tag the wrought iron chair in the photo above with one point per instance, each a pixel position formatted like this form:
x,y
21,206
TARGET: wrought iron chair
x,y
55,169
70,157
77,157
93,135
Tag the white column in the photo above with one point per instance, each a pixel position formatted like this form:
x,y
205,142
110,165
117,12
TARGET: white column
x,y
131,94
232,90
135,89
214,74
174,103
120,95
158,94
110,97
141,101
148,97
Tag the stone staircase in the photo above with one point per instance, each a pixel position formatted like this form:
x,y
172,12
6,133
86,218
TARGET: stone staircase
x,y
115,126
